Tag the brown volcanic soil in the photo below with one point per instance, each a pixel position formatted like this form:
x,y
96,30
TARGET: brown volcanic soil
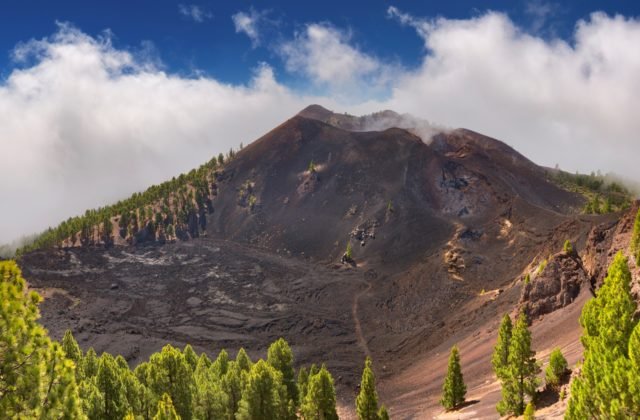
x,y
468,214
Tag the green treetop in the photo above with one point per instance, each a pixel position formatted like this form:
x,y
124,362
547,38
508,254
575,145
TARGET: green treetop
x,y
320,401
519,379
367,400
500,357
264,396
280,357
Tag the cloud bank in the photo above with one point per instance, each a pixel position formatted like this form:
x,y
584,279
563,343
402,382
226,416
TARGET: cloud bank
x,y
83,123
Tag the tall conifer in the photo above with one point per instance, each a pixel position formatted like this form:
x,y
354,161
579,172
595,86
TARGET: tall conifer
x,y
454,389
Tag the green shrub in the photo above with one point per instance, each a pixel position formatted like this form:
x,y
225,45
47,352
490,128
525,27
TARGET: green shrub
x,y
568,248
557,368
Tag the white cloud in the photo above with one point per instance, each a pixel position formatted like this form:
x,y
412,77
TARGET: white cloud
x,y
422,26
325,55
248,24
574,104
194,12
83,124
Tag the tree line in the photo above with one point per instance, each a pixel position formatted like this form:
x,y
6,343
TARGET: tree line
x,y
604,195
174,209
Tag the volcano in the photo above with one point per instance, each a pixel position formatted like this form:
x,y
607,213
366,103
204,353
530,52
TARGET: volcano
x,y
440,231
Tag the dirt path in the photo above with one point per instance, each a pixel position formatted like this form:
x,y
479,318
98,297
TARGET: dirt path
x,y
354,311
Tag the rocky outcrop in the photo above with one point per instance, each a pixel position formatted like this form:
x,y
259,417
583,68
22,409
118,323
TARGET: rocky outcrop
x,y
605,241
559,283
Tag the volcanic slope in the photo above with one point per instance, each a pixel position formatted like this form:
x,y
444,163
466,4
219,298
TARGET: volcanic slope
x,y
436,227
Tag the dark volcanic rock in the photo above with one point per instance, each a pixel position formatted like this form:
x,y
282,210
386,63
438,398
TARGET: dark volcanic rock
x,y
556,287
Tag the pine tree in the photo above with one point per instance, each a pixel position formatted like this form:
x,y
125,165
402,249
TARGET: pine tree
x,y
500,359
529,412
303,382
232,385
190,356
39,379
383,414
454,389
280,357
264,396
91,398
320,401
111,386
61,396
635,239
557,368
71,348
602,388
349,252
138,395
166,409
243,360
313,369
210,402
634,372
519,379
90,363
367,400
170,373
221,364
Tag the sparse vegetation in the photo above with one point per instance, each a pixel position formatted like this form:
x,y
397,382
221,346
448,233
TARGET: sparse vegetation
x,y
349,252
174,204
542,266
527,278
557,369
312,167
604,193
567,247
454,389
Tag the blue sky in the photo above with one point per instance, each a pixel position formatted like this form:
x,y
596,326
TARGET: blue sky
x,y
209,44
101,99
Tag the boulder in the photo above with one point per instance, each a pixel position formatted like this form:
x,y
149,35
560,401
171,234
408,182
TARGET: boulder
x,y
556,286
